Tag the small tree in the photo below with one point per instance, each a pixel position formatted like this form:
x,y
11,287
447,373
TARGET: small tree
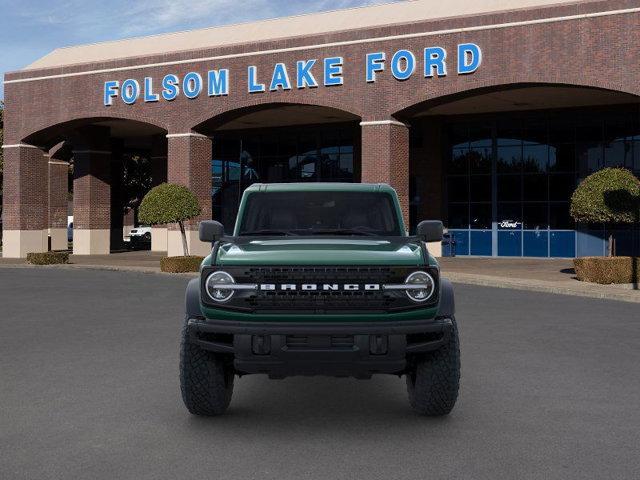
x,y
611,195
170,203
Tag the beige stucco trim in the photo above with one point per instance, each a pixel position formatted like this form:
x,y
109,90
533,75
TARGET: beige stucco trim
x,y
196,247
435,248
17,243
382,122
159,239
91,241
58,238
19,145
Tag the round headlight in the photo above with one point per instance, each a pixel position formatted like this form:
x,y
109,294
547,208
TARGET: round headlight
x,y
215,286
421,286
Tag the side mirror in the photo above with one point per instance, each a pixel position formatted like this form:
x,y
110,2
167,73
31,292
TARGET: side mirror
x,y
210,231
430,230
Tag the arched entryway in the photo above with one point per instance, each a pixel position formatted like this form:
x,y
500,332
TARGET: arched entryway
x,y
499,165
278,143
89,171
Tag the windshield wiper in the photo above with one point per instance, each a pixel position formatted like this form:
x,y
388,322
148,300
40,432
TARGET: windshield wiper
x,y
268,232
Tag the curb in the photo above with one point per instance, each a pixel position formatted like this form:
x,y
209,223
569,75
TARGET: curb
x,y
112,268
579,289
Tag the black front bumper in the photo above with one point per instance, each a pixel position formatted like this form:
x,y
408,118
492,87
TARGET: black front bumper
x,y
285,349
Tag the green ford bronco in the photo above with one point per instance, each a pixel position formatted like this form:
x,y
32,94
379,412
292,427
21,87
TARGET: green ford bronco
x,y
319,279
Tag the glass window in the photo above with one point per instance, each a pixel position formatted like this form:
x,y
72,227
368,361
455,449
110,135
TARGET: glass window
x,y
480,136
589,130
559,218
458,189
481,188
509,215
535,216
509,133
510,159
509,187
534,133
535,158
458,215
561,186
636,156
534,188
320,213
618,154
480,159
589,157
480,216
459,161
562,157
561,130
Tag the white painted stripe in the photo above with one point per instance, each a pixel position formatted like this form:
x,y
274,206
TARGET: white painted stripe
x,y
190,134
383,122
20,145
99,152
336,44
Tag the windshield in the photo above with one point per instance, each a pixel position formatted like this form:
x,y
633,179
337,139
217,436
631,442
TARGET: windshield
x,y
319,213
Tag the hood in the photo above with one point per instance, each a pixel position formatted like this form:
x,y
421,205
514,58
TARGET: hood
x,y
321,251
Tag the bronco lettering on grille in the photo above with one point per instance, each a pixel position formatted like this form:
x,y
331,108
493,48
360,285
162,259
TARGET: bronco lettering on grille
x,y
325,287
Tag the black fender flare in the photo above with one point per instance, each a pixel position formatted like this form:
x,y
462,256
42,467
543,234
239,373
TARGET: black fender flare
x,y
192,299
447,306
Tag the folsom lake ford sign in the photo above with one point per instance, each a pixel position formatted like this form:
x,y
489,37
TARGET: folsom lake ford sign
x,y
308,73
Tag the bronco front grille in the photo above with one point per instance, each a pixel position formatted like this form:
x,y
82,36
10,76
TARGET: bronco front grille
x,y
318,301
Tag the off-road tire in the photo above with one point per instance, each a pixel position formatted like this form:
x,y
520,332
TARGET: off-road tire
x,y
206,382
432,384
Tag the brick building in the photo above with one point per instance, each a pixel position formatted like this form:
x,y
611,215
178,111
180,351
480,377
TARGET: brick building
x,y
485,114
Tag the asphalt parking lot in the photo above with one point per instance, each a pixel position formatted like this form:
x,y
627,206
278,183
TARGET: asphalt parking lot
x,y
89,389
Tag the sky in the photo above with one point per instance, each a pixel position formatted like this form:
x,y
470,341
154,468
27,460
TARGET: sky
x,y
29,29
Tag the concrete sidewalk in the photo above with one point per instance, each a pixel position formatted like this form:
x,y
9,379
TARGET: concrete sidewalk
x,y
540,275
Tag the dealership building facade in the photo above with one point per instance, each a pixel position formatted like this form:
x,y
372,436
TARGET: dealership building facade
x,y
484,114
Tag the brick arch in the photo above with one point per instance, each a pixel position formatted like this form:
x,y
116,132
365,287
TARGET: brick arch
x,y
46,136
456,92
217,118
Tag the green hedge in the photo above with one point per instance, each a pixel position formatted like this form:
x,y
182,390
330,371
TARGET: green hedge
x,y
48,258
181,264
606,270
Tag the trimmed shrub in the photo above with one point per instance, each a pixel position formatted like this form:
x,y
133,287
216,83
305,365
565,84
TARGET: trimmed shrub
x,y
169,203
611,195
181,264
607,270
48,258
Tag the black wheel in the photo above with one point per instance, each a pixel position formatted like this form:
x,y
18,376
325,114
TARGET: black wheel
x,y
147,236
206,382
434,381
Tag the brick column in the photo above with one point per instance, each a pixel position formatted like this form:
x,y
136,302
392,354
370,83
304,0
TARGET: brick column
x,y
385,158
58,191
92,192
25,210
158,176
189,164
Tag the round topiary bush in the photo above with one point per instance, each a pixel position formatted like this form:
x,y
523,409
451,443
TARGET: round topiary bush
x,y
611,195
169,203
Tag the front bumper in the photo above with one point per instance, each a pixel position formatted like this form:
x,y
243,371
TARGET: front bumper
x,y
337,349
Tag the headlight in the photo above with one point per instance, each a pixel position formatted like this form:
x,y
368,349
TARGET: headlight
x,y
420,286
217,286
